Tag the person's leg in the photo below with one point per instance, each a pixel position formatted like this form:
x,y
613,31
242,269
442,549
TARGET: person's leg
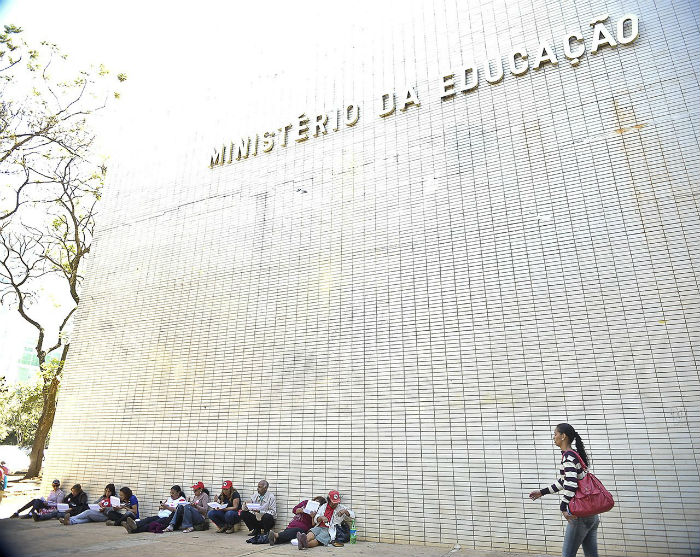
x,y
142,525
267,521
95,516
81,518
25,507
186,516
575,532
176,517
251,522
218,518
197,517
287,535
590,542
232,518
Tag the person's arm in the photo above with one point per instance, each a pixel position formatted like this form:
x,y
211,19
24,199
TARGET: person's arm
x,y
234,503
344,511
321,515
570,484
299,508
202,505
132,505
269,505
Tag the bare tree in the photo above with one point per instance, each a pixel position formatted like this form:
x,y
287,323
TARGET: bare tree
x,y
50,185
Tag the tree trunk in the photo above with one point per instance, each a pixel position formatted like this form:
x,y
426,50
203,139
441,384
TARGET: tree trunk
x,y
43,428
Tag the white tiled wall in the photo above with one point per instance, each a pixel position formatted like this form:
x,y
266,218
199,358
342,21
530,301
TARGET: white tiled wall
x,y
404,309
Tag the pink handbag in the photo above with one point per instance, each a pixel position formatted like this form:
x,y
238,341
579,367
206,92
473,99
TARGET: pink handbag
x,y
591,497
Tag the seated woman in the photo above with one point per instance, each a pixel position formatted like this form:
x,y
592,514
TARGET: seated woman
x,y
300,523
47,503
128,508
158,522
93,515
77,500
189,516
226,519
328,517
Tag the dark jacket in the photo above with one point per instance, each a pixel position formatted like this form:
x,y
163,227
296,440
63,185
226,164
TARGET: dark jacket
x,y
77,503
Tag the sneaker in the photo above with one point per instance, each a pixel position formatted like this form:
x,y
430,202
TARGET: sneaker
x,y
302,541
271,537
110,523
188,530
169,528
130,525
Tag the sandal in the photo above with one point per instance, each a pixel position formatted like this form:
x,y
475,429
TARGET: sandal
x,y
188,530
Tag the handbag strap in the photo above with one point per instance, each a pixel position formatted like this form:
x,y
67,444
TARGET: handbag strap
x,y
585,468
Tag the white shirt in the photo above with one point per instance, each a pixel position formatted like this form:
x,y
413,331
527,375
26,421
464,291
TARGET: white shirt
x,y
164,513
336,518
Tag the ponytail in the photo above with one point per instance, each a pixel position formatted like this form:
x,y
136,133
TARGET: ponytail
x,y
571,433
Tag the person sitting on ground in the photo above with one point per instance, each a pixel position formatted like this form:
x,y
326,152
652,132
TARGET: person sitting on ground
x,y
77,500
48,503
227,518
128,508
263,519
301,522
328,517
189,516
93,515
158,522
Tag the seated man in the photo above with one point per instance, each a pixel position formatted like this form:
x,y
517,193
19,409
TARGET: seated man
x,y
327,518
264,517
77,501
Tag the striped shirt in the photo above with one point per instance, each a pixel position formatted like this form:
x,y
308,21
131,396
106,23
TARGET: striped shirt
x,y
570,473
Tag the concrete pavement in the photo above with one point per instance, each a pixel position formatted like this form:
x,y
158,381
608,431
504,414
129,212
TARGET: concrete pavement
x,y
26,538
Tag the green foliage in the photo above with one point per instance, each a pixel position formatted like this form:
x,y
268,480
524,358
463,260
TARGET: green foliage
x,y
20,409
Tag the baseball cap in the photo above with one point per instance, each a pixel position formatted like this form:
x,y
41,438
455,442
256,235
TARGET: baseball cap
x,y
334,496
227,484
198,485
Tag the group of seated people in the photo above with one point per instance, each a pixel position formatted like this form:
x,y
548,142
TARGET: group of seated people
x,y
318,521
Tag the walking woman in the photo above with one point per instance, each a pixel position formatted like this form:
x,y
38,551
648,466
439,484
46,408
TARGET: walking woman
x,y
580,531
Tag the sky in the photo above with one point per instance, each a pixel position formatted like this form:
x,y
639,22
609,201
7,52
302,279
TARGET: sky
x,y
189,68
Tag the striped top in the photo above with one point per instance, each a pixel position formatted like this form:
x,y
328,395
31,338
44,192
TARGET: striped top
x,y
570,473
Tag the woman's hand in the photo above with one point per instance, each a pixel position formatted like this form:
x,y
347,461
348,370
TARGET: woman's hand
x,y
568,516
535,494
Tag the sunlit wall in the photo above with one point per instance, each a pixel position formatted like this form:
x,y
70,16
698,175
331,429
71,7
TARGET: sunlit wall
x,y
404,308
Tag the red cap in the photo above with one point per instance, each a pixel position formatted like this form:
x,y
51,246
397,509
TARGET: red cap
x,y
228,484
334,496
198,485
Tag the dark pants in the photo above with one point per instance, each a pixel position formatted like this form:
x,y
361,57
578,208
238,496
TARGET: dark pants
x,y
265,523
118,518
289,534
35,504
142,525
222,517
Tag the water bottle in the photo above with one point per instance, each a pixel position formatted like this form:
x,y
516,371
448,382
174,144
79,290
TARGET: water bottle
x,y
353,532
